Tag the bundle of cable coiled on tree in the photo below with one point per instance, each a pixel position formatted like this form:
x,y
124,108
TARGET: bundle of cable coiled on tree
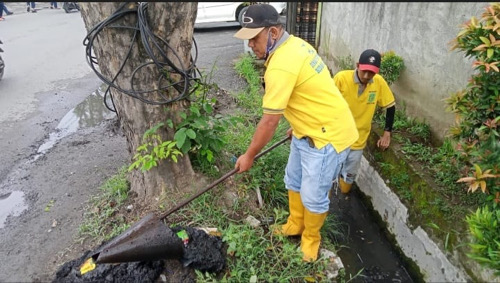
x,y
150,43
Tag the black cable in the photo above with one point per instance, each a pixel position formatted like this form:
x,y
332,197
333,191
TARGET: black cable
x,y
151,43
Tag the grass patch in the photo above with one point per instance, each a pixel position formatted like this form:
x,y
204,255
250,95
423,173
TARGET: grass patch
x,y
424,177
100,218
254,254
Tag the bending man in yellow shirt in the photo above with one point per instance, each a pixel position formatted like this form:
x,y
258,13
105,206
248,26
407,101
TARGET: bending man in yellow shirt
x,y
299,87
364,89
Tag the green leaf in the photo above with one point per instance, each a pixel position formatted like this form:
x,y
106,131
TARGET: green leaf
x,y
186,146
170,123
195,110
191,134
180,137
171,145
489,52
485,40
208,108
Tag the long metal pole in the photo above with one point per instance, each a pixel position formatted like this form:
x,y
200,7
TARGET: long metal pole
x,y
216,182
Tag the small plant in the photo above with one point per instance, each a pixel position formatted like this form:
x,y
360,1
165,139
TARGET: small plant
x,y
391,66
153,150
346,63
200,132
484,225
49,205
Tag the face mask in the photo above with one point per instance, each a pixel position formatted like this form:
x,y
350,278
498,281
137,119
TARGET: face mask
x,y
269,46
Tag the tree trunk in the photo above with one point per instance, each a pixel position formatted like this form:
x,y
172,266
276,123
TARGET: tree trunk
x,y
174,23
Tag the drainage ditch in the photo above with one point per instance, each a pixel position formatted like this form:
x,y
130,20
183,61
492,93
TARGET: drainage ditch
x,y
366,249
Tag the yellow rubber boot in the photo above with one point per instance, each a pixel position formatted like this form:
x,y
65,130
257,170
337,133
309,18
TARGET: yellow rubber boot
x,y
344,187
295,223
311,237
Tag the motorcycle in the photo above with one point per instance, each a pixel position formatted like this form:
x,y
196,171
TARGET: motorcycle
x,y
69,6
2,63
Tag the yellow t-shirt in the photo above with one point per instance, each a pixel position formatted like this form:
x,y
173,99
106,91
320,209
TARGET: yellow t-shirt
x,y
363,106
299,86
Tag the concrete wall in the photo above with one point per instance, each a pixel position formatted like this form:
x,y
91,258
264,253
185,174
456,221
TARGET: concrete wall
x,y
414,242
418,32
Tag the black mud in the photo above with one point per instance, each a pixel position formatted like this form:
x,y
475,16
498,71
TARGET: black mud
x,y
202,252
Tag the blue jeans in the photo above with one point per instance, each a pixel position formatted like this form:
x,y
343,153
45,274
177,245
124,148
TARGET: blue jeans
x,y
350,167
32,4
310,172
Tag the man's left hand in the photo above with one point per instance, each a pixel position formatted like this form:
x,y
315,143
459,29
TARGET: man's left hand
x,y
384,141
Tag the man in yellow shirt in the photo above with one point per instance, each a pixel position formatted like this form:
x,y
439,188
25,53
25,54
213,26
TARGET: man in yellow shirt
x,y
364,89
299,87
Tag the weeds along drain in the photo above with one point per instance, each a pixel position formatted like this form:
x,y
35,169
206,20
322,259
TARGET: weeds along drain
x,y
201,251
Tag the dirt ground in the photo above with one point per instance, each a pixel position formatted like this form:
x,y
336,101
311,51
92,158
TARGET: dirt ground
x,y
73,170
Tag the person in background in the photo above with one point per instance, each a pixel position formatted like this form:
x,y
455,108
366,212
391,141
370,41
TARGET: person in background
x,y
6,10
53,5
364,89
322,127
30,7
1,12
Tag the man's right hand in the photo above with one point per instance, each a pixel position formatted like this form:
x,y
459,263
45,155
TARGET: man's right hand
x,y
244,163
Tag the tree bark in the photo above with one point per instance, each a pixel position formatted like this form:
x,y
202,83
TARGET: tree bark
x,y
173,22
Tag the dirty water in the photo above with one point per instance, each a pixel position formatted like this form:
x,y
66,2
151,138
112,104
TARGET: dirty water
x,y
12,204
88,113
366,252
201,251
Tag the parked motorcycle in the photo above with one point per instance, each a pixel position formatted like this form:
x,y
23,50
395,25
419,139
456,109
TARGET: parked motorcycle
x,y
69,6
2,63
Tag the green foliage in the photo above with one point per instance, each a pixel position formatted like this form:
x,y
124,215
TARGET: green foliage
x,y
201,131
248,246
477,107
484,226
346,63
251,98
153,150
391,66
100,221
475,133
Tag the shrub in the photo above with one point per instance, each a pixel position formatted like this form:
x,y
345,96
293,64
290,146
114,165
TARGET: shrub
x,y
391,66
477,116
484,225
477,107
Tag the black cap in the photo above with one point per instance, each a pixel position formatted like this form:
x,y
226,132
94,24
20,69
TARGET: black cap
x,y
256,18
369,60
